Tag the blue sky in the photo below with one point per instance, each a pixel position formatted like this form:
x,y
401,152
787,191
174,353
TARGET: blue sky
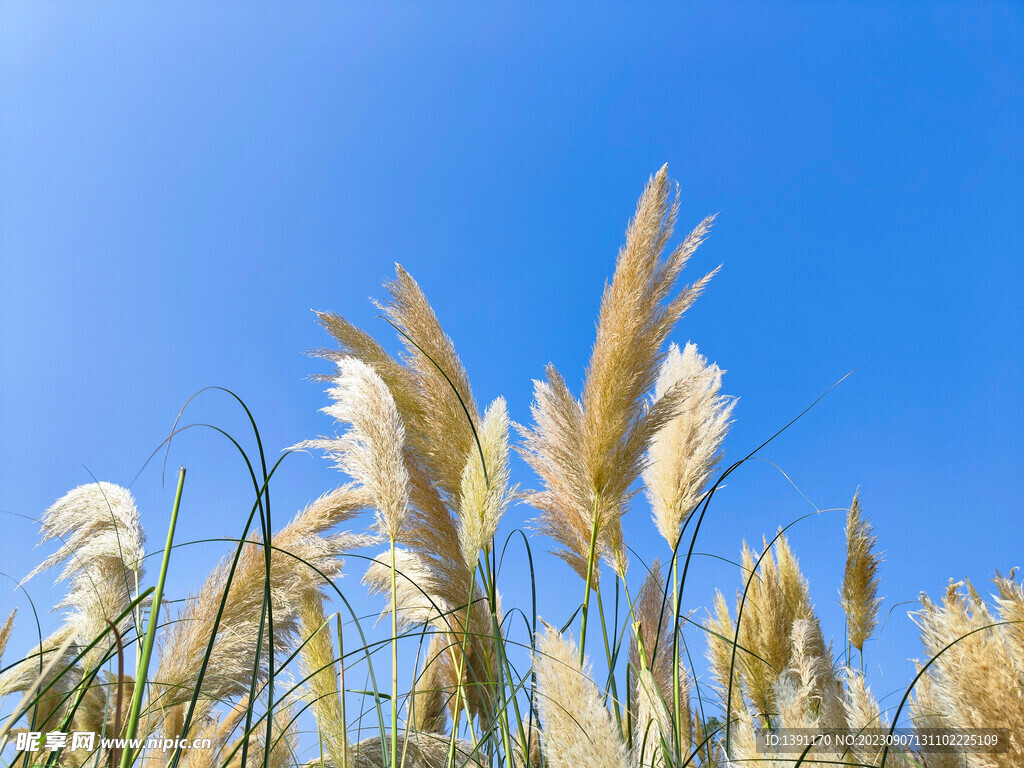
x,y
179,189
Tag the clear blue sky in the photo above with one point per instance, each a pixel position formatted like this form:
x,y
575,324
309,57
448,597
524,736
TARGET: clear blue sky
x,y
179,187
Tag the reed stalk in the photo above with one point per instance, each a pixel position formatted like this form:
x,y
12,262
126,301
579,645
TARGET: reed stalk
x,y
154,619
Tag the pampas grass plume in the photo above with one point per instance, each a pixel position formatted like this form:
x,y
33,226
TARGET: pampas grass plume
x,y
577,728
859,593
685,451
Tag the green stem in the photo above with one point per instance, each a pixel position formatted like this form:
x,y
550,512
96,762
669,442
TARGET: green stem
x,y
457,663
154,619
394,661
608,655
341,692
590,577
676,703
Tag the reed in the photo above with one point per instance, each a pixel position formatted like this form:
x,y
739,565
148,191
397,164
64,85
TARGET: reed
x,y
269,664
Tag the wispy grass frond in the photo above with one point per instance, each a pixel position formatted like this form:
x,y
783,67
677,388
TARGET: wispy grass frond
x,y
102,551
767,625
807,691
297,546
588,453
652,618
354,342
424,594
721,631
49,665
577,728
318,665
863,712
433,690
372,450
5,632
419,750
652,727
445,398
859,593
485,486
685,452
977,682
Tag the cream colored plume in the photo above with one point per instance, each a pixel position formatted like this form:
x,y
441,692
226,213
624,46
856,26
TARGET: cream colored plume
x,y
652,727
977,682
428,591
807,691
653,629
685,451
485,494
859,593
5,632
589,452
433,690
862,713
445,407
653,625
429,383
102,550
319,669
577,728
416,750
778,597
372,451
301,554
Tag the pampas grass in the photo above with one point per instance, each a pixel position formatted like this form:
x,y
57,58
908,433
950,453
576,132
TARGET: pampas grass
x,y
577,728
859,594
684,452
5,632
259,662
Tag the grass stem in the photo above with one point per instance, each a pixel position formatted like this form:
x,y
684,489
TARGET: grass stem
x,y
154,619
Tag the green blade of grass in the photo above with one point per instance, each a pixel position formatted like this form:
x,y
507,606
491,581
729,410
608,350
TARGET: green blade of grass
x,y
147,648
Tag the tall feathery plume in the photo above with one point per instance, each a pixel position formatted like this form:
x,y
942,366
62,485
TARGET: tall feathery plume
x,y
372,451
419,750
777,597
302,552
577,728
1010,604
652,726
445,400
485,494
721,631
317,662
424,594
976,683
432,394
813,676
429,383
589,452
653,625
859,593
220,730
5,632
862,714
652,616
927,712
432,690
102,551
685,452
283,750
